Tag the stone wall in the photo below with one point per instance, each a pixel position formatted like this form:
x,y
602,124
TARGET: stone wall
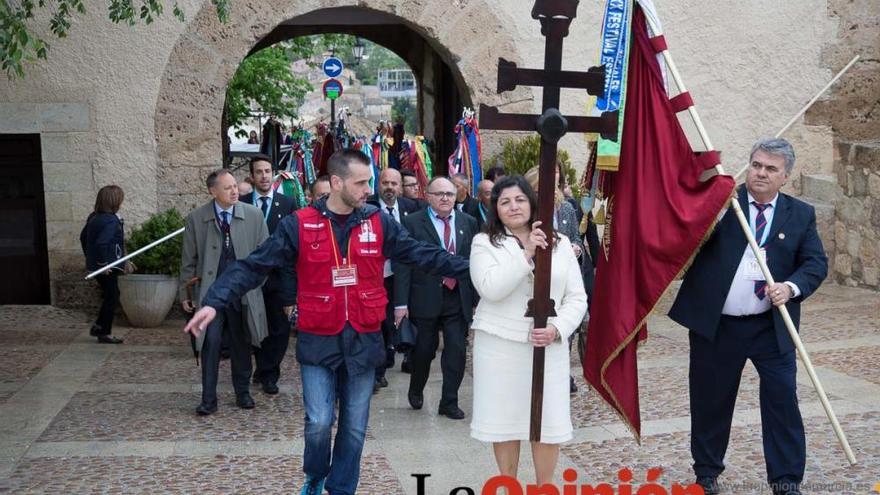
x,y
853,110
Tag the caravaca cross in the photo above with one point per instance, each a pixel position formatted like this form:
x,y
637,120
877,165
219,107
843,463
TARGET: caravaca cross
x,y
555,17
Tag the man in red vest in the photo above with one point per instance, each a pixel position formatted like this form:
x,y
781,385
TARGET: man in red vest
x,y
338,246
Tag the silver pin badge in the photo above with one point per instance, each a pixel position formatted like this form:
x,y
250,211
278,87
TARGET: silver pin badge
x,y
781,235
461,232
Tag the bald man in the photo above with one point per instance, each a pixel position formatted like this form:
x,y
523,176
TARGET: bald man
x,y
484,195
391,201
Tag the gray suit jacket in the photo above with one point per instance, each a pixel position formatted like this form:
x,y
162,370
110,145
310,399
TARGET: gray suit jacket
x,y
201,255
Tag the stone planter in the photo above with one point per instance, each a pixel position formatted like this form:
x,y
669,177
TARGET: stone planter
x,y
146,299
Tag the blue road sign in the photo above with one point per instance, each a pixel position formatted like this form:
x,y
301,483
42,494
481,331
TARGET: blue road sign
x,y
333,67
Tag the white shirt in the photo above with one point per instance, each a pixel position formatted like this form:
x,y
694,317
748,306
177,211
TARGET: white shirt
x,y
220,211
741,299
439,225
258,199
395,212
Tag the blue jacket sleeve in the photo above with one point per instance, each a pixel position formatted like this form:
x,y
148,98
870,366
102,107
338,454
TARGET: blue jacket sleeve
x,y
431,258
108,240
279,251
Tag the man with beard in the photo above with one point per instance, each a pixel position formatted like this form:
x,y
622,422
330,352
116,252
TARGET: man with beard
x,y
391,201
279,293
338,247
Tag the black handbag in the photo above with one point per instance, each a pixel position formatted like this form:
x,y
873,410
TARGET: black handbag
x,y
405,336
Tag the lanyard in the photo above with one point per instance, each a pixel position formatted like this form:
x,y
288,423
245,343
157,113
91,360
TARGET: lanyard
x,y
336,246
482,211
268,207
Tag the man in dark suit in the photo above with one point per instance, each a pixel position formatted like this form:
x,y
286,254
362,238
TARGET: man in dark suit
x,y
726,304
480,209
463,199
279,293
433,303
391,201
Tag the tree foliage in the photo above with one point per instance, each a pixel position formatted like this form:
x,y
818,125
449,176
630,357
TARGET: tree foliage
x,y
18,23
163,259
517,156
266,81
403,110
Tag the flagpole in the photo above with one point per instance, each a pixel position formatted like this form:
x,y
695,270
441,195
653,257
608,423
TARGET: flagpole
x,y
132,255
805,107
744,223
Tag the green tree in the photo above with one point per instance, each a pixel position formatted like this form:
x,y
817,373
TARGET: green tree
x,y
517,156
265,80
402,110
19,45
379,58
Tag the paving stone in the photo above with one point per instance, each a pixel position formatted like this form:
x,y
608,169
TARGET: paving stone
x,y
18,364
178,474
170,416
23,338
860,362
43,318
745,473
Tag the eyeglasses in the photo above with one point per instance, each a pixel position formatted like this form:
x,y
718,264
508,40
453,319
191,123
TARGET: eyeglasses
x,y
445,195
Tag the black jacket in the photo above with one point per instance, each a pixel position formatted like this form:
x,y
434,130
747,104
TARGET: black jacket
x,y
102,240
421,291
280,282
794,253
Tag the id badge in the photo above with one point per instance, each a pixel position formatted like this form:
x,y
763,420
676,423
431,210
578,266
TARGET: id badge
x,y
345,275
753,269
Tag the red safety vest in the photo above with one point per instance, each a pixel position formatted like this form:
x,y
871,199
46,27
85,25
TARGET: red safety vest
x,y
324,309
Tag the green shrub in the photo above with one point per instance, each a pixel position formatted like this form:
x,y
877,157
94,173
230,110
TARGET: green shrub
x,y
163,259
519,155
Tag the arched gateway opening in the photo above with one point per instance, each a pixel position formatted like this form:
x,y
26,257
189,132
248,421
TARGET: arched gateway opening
x,y
451,48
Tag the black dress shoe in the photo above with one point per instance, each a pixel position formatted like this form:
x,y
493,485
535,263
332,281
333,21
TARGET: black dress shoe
x,y
382,382
405,367
270,388
206,409
108,339
245,401
785,488
709,484
95,331
451,412
415,400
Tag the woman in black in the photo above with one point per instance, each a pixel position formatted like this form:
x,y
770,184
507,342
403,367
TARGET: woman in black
x,y
103,243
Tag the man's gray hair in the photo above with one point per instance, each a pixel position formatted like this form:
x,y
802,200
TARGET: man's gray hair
x,y
778,147
211,181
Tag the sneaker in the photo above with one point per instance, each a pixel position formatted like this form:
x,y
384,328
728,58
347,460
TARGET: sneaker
x,y
312,486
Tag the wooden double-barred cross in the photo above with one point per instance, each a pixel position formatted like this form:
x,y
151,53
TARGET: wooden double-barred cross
x,y
555,17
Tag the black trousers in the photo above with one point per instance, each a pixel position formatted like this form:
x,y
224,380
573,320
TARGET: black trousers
x,y
388,329
715,372
229,321
271,352
452,361
109,299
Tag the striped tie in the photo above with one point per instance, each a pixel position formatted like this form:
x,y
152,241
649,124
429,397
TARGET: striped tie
x,y
760,225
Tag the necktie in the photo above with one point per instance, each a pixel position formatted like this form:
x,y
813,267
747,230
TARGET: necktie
x,y
390,210
225,227
265,205
760,225
449,244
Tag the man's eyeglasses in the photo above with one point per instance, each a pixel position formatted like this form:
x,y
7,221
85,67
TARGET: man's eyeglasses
x,y
446,195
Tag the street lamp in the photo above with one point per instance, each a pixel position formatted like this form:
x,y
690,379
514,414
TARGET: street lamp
x,y
357,50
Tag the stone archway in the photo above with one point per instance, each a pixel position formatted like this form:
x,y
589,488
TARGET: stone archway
x,y
466,38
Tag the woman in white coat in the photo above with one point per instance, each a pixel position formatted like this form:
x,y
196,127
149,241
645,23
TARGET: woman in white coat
x,y
504,339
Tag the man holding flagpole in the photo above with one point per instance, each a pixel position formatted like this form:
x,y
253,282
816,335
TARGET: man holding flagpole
x,y
726,304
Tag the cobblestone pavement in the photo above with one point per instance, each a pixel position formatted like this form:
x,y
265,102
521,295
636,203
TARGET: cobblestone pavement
x,y
78,417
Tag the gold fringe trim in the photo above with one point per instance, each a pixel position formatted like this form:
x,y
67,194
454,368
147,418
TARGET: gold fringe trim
x,y
616,403
608,163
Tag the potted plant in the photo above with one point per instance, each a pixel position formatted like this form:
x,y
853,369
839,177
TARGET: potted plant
x,y
148,294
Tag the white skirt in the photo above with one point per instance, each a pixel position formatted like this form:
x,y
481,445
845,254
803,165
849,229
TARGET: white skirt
x,y
503,390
